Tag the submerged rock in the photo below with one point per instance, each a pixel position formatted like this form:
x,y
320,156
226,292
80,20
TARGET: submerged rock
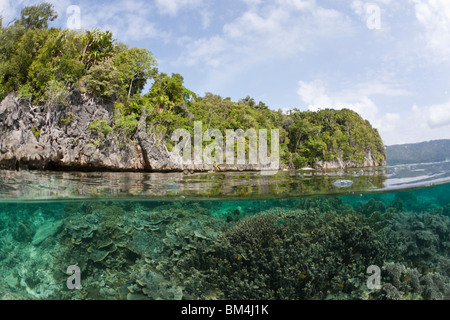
x,y
155,287
25,232
45,231
342,183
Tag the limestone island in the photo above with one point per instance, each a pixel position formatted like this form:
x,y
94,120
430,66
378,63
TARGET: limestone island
x,y
74,100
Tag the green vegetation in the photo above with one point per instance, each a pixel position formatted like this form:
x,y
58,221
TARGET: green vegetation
x,y
100,130
68,119
36,132
46,65
330,134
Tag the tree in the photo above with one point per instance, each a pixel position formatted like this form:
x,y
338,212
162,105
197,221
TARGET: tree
x,y
98,46
99,130
57,59
248,100
37,16
137,66
56,92
15,70
167,91
105,80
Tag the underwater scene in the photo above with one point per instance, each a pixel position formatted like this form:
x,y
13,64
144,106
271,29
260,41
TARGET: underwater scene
x,y
366,234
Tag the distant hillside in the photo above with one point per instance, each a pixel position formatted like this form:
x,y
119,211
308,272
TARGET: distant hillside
x,y
430,151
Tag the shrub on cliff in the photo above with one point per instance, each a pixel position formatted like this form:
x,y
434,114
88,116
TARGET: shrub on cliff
x,y
99,130
103,79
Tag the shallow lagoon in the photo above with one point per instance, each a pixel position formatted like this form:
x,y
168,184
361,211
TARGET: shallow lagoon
x,y
295,235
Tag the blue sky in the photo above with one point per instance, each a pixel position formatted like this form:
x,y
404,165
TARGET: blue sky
x,y
388,60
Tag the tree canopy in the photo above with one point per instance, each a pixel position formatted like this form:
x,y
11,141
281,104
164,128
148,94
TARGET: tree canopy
x,y
37,16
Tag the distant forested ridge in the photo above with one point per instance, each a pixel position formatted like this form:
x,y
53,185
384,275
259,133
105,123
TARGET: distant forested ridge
x,y
422,152
75,100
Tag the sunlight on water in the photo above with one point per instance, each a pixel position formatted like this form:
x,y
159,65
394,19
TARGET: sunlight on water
x,y
296,235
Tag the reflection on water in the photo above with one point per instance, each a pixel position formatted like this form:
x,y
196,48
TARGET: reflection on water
x,y
417,175
53,185
297,235
28,185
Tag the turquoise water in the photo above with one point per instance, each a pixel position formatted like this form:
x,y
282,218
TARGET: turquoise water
x,y
298,235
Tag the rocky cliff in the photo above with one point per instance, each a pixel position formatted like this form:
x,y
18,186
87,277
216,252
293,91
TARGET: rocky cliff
x,y
57,137
369,161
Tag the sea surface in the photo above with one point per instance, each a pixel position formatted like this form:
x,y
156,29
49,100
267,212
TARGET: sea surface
x,y
363,234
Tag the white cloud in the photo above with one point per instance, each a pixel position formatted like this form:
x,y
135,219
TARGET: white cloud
x,y
422,124
316,97
252,2
7,11
436,116
358,8
266,31
127,20
434,16
209,50
206,16
297,4
415,124
362,8
11,9
60,6
412,125
360,98
171,7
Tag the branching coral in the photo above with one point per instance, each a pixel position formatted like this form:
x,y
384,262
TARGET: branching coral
x,y
254,231
401,282
424,237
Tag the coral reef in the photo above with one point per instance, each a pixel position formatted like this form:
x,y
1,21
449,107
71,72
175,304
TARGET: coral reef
x,y
299,254
423,238
405,283
254,231
307,248
26,266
